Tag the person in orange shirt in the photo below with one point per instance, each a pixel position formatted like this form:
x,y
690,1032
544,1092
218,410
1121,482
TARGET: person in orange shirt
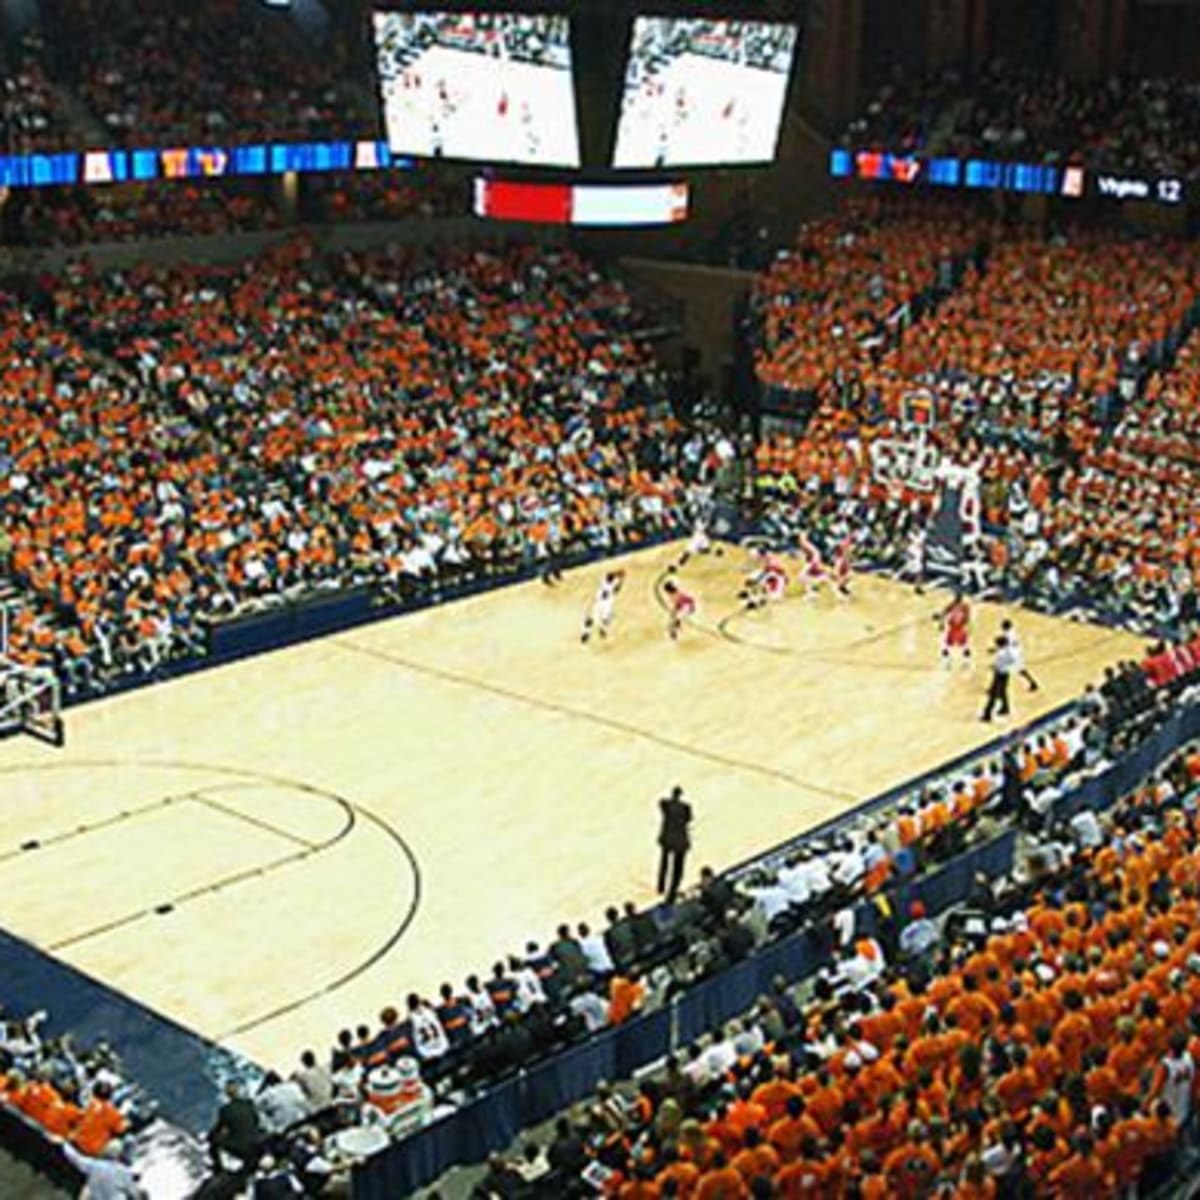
x,y
1082,1175
773,1094
1073,1033
643,1186
804,1178
626,994
757,1159
99,1124
38,1097
721,1182
792,1130
912,1167
676,1171
62,1118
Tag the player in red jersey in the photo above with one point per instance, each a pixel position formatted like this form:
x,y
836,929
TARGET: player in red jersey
x,y
956,629
812,571
682,605
766,583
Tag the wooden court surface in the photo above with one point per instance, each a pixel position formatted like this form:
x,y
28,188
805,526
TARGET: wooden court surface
x,y
269,851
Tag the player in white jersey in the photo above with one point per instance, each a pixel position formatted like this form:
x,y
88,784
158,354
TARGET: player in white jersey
x,y
1009,631
599,617
913,570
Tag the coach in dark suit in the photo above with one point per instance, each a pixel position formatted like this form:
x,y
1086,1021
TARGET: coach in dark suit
x,y
674,841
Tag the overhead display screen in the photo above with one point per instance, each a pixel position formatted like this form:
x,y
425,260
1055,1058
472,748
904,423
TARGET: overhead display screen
x,y
703,93
491,87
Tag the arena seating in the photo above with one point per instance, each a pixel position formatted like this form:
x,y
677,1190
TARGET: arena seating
x,y
33,116
153,495
69,1092
125,212
1041,365
1043,1043
385,196
195,74
1122,124
828,303
908,986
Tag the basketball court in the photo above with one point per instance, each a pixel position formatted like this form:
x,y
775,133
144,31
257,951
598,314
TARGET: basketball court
x,y
270,851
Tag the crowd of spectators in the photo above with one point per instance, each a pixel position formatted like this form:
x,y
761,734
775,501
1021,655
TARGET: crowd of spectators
x,y
1060,368
185,73
79,216
74,1095
433,1054
827,305
32,116
1142,126
181,443
1043,1040
383,196
76,216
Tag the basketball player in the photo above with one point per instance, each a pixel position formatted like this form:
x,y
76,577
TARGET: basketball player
x,y
914,560
843,559
600,615
1017,653
956,630
682,605
812,571
698,543
766,583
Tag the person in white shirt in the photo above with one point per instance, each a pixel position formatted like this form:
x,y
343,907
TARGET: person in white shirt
x,y
720,1058
529,986
314,1081
595,952
483,1010
281,1103
848,867
1176,1078
593,1008
770,899
429,1038
1086,829
106,1177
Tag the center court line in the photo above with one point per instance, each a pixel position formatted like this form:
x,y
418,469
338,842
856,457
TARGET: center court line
x,y
594,718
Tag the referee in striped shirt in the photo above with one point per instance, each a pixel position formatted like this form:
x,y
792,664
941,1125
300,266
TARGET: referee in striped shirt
x,y
1004,663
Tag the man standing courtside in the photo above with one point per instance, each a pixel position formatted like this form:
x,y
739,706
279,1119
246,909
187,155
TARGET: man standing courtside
x,y
674,841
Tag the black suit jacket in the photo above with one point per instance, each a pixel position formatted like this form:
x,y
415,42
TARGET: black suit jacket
x,y
676,820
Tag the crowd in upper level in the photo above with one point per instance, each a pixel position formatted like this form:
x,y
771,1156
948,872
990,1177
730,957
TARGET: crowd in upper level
x,y
1141,126
183,73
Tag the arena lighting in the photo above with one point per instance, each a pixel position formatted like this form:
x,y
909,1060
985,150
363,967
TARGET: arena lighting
x,y
142,165
582,204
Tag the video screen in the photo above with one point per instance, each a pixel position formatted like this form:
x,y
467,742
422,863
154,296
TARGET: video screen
x,y
492,87
703,93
